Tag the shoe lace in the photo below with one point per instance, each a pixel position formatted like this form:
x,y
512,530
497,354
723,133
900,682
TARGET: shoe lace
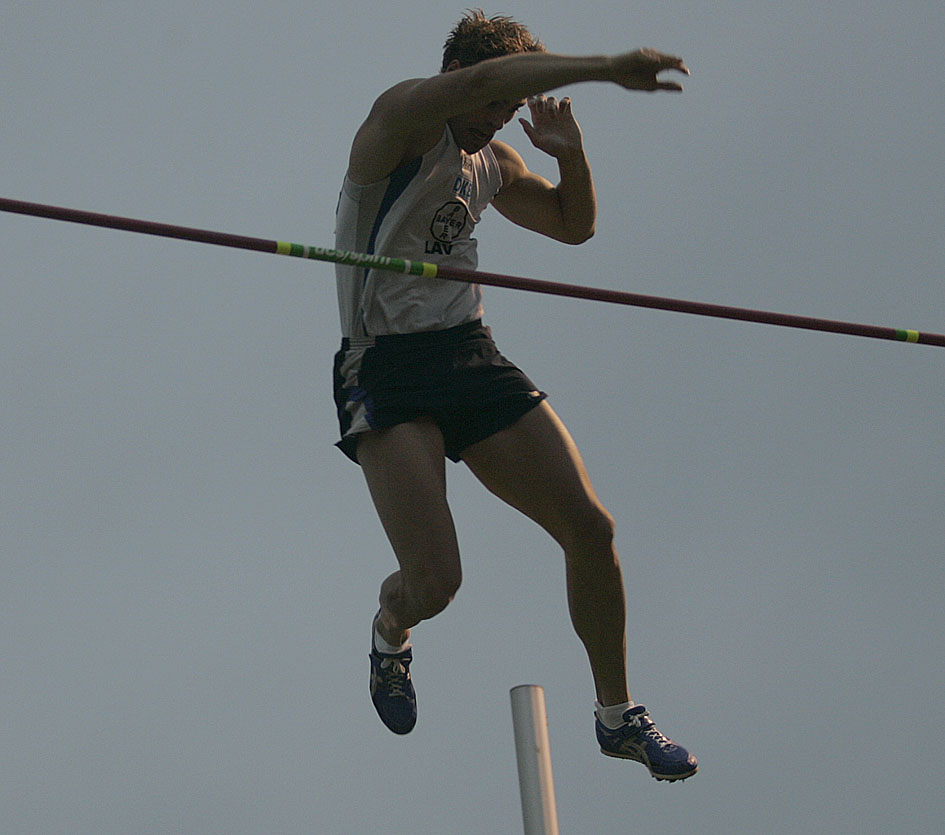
x,y
395,677
657,736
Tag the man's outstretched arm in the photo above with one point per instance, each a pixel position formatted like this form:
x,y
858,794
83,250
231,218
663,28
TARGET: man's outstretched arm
x,y
408,119
524,74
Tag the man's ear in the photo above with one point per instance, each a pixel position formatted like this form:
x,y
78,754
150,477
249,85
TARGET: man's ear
x,y
453,65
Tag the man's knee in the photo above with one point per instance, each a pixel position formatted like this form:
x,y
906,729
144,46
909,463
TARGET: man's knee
x,y
591,531
431,592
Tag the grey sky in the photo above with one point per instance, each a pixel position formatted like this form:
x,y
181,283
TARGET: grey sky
x,y
188,568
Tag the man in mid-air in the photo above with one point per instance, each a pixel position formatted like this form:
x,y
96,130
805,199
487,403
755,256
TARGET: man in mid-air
x,y
418,378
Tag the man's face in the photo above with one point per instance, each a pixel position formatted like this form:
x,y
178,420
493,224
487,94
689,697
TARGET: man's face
x,y
473,131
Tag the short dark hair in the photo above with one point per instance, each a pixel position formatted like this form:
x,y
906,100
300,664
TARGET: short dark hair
x,y
477,37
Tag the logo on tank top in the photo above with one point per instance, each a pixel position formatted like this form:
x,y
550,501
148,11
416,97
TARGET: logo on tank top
x,y
448,223
462,187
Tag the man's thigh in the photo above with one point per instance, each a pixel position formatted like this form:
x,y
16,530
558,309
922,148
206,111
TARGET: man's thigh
x,y
405,469
534,465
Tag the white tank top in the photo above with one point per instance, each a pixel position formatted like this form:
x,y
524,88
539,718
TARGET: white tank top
x,y
424,211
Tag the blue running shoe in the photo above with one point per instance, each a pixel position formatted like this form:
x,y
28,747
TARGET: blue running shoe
x,y
639,740
392,689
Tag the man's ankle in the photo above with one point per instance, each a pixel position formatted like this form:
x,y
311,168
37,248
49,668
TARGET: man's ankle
x,y
383,636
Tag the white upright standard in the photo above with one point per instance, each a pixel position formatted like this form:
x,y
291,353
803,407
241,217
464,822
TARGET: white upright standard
x,y
530,723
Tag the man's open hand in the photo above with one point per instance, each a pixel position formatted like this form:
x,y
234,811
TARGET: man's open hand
x,y
637,70
553,128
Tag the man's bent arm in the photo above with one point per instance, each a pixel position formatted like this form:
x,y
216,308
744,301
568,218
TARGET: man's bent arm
x,y
566,212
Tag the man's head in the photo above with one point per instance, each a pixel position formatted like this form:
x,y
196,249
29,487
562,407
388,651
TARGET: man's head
x,y
477,38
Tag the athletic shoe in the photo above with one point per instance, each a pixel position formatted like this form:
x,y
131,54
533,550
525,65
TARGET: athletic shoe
x,y
639,740
392,689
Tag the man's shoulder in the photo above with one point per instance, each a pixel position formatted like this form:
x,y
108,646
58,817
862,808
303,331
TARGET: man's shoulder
x,y
510,161
503,150
396,95
388,137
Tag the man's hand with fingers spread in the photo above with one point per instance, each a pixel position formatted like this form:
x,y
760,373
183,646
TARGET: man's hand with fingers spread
x,y
638,70
553,128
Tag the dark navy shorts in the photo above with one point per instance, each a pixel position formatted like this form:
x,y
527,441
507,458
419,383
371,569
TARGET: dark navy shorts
x,y
456,376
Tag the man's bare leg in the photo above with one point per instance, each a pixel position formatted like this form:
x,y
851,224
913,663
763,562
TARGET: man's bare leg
x,y
406,474
534,466
405,471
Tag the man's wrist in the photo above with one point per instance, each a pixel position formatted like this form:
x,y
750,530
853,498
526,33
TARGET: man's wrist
x,y
572,157
608,68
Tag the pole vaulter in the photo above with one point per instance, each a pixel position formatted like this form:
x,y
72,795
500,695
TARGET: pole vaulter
x,y
428,270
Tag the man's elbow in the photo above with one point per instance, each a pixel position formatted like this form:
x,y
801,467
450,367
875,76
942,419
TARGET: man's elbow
x,y
577,236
